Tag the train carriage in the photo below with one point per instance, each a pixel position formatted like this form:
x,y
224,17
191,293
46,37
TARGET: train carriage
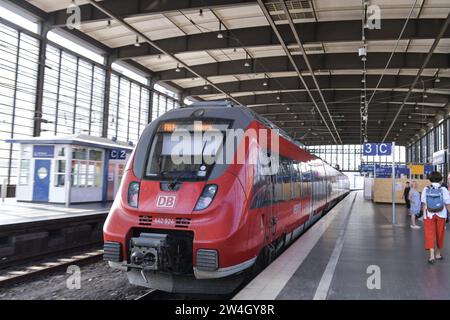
x,y
200,226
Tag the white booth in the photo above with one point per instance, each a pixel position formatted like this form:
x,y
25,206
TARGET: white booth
x,y
94,166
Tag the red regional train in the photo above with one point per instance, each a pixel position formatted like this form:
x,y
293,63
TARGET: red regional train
x,y
204,227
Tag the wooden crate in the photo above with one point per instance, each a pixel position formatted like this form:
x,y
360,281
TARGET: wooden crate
x,y
382,189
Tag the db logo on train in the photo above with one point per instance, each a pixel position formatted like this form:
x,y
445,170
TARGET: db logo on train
x,y
165,201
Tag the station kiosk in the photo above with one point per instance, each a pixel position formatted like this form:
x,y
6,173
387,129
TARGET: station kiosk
x,y
93,167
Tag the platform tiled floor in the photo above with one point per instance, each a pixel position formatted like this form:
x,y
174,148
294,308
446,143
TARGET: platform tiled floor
x,y
369,240
20,212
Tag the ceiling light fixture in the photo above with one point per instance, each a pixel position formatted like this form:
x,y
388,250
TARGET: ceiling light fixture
x,y
137,44
246,64
178,68
265,81
205,86
200,13
220,35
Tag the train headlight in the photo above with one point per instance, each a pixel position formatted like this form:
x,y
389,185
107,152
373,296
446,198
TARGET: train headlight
x,y
207,196
133,194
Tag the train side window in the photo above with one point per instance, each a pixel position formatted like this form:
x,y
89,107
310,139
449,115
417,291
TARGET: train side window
x,y
305,179
278,180
287,176
297,178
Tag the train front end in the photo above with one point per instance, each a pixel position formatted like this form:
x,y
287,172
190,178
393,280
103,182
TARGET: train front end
x,y
178,222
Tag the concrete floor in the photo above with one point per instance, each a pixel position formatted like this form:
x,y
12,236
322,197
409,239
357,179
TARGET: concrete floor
x,y
12,212
359,247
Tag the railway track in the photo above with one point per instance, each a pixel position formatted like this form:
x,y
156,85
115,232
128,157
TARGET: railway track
x,y
8,277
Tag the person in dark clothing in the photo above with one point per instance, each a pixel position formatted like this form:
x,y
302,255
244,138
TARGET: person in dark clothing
x,y
406,194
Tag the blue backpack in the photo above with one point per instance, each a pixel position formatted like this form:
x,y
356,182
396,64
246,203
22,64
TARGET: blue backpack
x,y
435,199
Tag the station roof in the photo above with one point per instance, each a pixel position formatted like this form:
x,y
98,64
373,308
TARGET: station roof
x,y
78,139
295,62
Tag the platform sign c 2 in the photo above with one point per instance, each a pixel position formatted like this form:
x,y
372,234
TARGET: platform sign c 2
x,y
377,149
119,154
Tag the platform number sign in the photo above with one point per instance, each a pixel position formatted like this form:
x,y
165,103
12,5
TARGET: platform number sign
x,y
119,154
377,149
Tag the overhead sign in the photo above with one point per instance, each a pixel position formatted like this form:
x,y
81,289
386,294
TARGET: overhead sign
x,y
385,170
439,157
119,154
365,167
377,149
428,168
43,151
417,168
421,169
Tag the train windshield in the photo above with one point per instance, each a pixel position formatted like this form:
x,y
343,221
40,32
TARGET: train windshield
x,y
186,150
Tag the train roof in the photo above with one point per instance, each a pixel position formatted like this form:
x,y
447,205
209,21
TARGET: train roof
x,y
251,113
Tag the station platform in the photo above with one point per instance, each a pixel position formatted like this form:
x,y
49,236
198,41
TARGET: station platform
x,y
32,230
16,212
339,256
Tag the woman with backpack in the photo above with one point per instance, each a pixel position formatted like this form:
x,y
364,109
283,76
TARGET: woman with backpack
x,y
414,208
435,199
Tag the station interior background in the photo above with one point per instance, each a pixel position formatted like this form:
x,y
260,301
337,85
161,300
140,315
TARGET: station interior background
x,y
74,95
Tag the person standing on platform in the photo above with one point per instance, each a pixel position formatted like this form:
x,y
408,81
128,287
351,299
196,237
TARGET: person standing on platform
x,y
406,195
415,204
435,200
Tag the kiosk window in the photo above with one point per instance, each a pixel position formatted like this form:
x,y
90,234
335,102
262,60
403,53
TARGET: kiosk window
x,y
86,167
60,173
24,171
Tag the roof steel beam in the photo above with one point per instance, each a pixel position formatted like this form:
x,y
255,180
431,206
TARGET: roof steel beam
x,y
344,96
149,41
135,8
331,61
425,63
325,82
312,32
308,65
296,68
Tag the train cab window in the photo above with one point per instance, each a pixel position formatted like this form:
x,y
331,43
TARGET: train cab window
x,y
185,151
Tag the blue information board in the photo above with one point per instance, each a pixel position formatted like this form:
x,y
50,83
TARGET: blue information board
x,y
43,151
377,149
428,168
365,167
385,170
